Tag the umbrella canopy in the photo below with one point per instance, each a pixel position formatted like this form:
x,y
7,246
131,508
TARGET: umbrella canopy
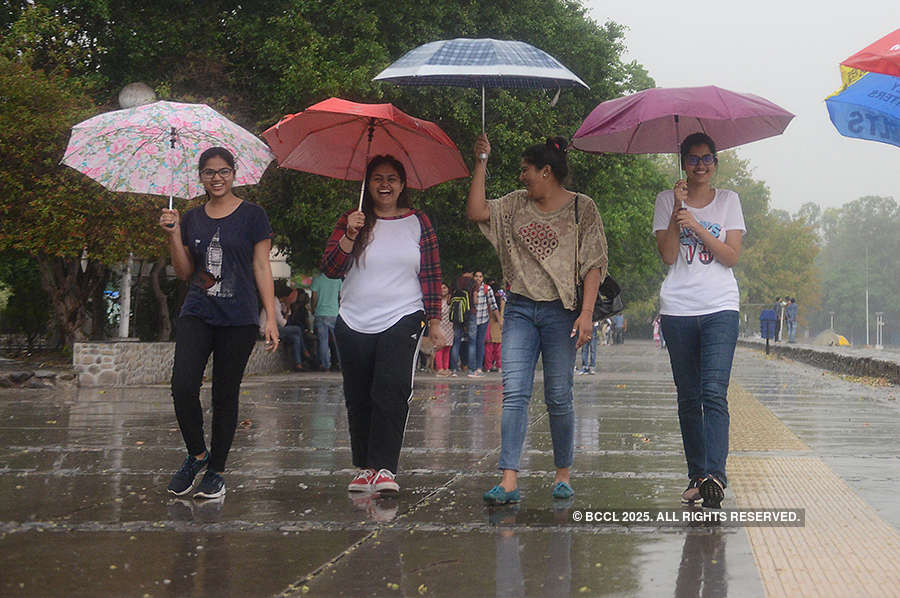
x,y
868,109
881,57
154,148
336,137
464,62
656,120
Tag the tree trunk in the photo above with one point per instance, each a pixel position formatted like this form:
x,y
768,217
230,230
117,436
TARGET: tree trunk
x,y
165,322
69,290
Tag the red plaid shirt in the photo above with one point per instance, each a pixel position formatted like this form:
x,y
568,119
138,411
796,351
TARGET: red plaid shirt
x,y
336,262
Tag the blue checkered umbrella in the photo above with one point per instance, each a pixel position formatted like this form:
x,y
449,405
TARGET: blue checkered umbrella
x,y
480,63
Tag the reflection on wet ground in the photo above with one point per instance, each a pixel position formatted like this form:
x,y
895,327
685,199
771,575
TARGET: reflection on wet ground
x,y
83,508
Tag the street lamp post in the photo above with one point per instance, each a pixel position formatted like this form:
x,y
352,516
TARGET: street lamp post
x,y
879,327
831,313
132,95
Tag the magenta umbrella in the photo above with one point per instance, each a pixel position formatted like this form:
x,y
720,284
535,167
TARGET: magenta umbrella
x,y
655,121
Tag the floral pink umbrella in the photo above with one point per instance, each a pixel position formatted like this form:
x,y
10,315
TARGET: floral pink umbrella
x,y
154,148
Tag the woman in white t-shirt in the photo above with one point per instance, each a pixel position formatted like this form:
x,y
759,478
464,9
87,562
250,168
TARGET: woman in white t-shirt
x,y
698,233
387,254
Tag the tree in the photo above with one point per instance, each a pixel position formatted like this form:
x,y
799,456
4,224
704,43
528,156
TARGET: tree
x,y
861,241
51,212
257,61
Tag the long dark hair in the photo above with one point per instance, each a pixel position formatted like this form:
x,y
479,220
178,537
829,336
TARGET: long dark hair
x,y
368,203
552,153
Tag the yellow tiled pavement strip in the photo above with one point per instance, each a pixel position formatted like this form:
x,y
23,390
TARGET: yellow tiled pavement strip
x,y
845,549
755,428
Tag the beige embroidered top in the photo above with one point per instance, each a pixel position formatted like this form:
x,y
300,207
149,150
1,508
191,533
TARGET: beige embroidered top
x,y
537,249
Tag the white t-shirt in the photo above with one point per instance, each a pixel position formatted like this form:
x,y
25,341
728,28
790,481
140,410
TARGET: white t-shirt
x,y
383,285
697,283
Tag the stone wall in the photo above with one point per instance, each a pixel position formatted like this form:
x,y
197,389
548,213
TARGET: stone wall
x,y
833,359
130,363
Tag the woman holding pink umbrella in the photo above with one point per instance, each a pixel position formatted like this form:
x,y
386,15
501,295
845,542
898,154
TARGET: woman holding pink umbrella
x,y
699,230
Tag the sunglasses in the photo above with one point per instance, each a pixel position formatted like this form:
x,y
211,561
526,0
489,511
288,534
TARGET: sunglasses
x,y
692,160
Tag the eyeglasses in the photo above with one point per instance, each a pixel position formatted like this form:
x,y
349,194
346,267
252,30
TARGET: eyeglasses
x,y
692,160
207,174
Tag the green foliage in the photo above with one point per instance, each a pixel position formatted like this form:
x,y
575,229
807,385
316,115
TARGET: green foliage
x,y
26,309
869,224
778,250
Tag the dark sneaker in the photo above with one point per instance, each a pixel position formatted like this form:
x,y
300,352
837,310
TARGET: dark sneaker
x,y
211,486
713,493
183,480
691,495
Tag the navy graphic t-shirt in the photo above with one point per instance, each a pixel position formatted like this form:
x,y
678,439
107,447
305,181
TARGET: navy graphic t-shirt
x,y
222,289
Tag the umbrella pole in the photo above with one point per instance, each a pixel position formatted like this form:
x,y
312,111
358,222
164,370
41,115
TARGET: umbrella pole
x,y
482,157
362,193
677,154
362,188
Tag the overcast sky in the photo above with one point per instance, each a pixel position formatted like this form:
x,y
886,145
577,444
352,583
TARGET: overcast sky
x,y
786,51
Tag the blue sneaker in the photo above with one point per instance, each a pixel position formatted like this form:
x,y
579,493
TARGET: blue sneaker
x,y
211,486
498,496
183,480
563,490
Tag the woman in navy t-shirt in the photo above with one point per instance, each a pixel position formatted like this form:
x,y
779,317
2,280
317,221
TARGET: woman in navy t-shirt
x,y
222,249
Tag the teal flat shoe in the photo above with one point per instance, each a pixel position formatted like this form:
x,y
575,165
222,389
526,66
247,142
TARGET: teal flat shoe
x,y
563,490
498,496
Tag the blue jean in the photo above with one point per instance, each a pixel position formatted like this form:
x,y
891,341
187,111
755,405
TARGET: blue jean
x,y
471,342
589,351
459,335
480,335
324,326
701,350
532,328
293,335
792,330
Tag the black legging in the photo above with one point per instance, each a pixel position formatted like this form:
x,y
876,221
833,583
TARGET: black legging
x,y
378,377
231,347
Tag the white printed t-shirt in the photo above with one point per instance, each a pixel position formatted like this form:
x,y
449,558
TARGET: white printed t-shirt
x,y
383,285
697,283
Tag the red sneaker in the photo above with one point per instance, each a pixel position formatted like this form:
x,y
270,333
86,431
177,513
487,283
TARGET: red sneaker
x,y
363,481
384,482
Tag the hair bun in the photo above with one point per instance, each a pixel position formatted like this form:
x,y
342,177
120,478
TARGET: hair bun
x,y
559,144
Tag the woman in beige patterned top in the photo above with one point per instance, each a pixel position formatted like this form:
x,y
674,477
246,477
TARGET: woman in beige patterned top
x,y
535,234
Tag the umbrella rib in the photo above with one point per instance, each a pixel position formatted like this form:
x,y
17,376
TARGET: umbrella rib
x,y
356,147
405,153
140,146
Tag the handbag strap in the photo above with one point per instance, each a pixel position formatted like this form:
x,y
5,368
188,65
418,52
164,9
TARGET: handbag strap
x,y
576,247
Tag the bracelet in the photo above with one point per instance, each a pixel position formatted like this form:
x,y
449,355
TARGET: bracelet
x,y
349,238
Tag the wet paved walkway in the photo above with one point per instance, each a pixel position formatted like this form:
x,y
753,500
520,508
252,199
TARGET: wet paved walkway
x,y
83,508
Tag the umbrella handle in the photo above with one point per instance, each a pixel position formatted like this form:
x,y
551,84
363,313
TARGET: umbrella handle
x,y
362,192
172,225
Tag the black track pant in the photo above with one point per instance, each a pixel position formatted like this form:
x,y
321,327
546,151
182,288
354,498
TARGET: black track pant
x,y
231,347
378,377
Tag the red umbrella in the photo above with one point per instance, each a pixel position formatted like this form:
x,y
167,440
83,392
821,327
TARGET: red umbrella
x,y
336,137
655,121
881,57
